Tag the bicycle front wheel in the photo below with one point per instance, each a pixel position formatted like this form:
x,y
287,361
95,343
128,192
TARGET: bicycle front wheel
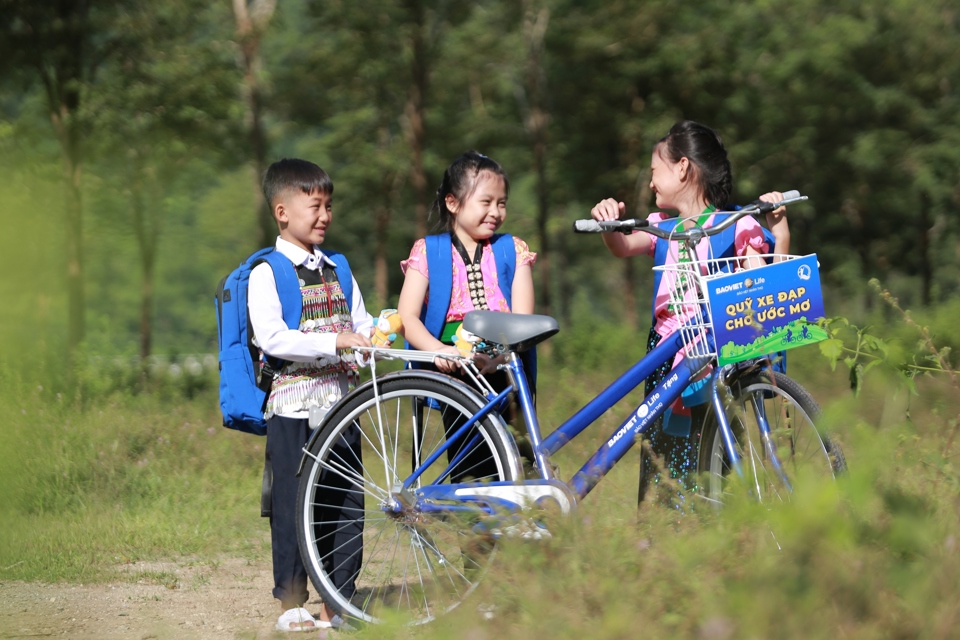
x,y
367,558
774,424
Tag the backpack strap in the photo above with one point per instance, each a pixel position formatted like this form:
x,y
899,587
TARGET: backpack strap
x,y
288,287
505,255
660,250
344,275
440,266
767,234
724,244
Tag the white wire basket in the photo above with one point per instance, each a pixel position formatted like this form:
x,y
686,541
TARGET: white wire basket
x,y
687,283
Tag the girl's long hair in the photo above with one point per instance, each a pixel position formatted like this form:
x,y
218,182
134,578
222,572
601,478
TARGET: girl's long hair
x,y
703,147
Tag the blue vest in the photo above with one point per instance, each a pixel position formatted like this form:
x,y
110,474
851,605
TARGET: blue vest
x,y
722,245
288,284
440,265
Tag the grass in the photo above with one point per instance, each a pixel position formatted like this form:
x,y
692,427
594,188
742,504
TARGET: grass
x,y
131,478
86,488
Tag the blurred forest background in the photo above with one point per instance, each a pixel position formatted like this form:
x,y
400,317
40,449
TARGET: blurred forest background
x,y
133,134
132,138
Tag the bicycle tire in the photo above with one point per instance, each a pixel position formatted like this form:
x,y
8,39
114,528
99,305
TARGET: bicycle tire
x,y
804,450
418,565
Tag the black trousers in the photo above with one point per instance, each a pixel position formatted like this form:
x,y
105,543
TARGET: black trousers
x,y
478,464
339,530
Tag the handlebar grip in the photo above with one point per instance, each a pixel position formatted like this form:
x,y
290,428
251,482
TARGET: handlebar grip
x,y
597,226
586,226
767,207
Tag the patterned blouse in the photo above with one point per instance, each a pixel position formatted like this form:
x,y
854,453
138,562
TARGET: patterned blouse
x,y
749,233
460,302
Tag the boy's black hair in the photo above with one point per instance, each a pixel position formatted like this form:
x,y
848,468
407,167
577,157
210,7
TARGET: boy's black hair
x,y
460,179
293,174
704,148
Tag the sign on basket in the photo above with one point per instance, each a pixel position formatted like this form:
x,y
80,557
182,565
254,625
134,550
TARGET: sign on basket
x,y
767,309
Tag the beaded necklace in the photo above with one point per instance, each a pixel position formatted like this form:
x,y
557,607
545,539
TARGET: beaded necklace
x,y
474,276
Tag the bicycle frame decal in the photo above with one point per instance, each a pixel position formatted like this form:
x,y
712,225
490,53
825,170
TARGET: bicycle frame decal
x,y
620,387
767,309
612,450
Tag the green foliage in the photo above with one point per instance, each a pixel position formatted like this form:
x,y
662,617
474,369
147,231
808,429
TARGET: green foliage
x,y
855,104
872,556
861,351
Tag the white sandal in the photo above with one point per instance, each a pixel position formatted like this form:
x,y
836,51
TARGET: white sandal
x,y
296,619
336,622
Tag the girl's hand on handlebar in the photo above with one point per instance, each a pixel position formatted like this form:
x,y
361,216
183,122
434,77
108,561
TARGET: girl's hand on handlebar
x,y
609,209
777,222
620,245
778,216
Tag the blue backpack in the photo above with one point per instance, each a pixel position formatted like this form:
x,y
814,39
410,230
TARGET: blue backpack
x,y
245,381
722,245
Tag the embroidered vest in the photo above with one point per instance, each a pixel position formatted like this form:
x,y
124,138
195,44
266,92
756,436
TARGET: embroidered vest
x,y
325,309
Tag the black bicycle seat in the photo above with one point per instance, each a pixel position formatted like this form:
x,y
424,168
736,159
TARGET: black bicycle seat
x,y
518,331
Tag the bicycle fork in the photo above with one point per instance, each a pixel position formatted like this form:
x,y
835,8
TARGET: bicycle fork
x,y
720,409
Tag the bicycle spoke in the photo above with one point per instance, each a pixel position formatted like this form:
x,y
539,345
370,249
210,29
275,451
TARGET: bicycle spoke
x,y
413,562
793,448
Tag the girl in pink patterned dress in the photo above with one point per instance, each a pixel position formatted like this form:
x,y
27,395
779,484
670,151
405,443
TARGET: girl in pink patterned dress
x,y
472,203
690,173
469,266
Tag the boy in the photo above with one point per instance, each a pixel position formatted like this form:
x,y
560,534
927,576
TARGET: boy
x,y
319,367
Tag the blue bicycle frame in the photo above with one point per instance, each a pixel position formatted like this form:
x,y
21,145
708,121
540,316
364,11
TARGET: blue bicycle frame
x,y
619,442
646,413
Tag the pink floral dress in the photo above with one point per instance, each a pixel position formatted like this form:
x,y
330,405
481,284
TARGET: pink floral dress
x,y
460,302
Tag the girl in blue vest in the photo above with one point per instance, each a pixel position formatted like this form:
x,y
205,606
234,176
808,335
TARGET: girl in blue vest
x,y
689,173
468,266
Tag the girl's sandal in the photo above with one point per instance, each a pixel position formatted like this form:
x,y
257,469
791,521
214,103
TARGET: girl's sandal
x,y
297,619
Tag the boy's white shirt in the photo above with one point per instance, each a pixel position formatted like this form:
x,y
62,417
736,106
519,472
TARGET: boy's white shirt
x,y
266,314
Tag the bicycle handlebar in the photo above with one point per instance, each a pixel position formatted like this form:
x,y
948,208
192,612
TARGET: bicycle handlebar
x,y
696,234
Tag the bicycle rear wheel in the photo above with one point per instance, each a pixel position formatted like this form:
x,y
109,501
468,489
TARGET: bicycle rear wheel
x,y
794,448
368,560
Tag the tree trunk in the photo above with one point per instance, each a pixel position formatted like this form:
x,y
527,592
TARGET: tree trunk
x,y
537,123
923,250
251,23
76,293
415,112
147,239
62,114
380,274
266,227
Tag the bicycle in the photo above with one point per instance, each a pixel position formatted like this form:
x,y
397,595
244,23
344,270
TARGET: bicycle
x,y
428,537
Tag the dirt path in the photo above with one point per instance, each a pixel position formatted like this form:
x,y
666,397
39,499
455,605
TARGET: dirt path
x,y
229,599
